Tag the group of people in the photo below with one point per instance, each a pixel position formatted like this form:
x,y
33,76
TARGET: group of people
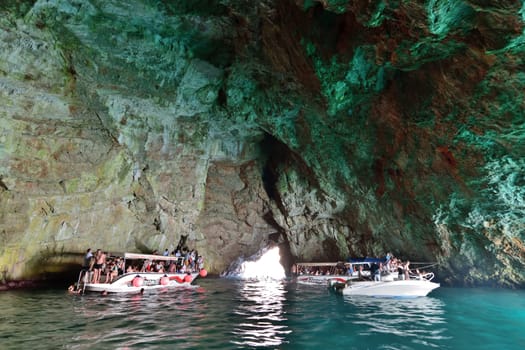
x,y
392,265
365,270
94,264
101,266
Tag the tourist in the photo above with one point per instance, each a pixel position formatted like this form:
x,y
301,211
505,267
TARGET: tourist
x,y
87,259
107,271
200,262
120,266
73,290
350,270
400,271
146,266
113,272
360,273
100,260
407,270
159,267
375,271
87,265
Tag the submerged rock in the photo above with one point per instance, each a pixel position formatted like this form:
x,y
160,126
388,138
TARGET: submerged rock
x,y
333,128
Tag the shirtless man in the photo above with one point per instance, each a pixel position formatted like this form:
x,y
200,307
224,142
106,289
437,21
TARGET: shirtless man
x,y
100,260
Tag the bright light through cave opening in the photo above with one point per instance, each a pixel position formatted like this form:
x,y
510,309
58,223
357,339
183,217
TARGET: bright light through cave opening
x,y
268,266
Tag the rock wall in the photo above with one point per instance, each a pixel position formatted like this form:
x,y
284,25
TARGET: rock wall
x,y
333,128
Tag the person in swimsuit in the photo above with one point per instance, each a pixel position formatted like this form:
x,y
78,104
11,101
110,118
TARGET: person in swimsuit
x,y
100,260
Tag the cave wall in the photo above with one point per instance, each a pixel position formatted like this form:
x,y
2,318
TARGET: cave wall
x,y
335,128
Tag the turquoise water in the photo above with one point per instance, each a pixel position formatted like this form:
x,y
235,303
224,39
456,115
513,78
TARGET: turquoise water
x,y
232,314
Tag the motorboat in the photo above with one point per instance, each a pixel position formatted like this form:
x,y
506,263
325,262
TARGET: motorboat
x,y
137,282
366,276
415,286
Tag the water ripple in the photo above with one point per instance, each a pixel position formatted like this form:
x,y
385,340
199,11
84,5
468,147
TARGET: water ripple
x,y
229,314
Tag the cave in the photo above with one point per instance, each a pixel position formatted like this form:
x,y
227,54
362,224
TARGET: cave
x,y
335,129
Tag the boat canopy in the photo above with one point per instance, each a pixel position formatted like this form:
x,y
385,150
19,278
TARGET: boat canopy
x,y
365,260
321,263
151,257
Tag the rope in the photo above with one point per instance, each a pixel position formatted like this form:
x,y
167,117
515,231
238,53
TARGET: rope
x,y
431,264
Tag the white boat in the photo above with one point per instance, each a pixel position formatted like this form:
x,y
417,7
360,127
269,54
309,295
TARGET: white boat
x,y
416,286
137,282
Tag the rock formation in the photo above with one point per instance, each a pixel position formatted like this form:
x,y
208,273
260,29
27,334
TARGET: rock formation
x,y
333,128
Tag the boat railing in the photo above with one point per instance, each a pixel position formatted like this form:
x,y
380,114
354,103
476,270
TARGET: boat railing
x,y
83,278
429,276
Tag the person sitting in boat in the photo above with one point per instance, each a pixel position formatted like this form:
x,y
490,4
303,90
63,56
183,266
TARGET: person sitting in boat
x,y
146,266
172,268
120,266
183,268
107,270
113,272
159,267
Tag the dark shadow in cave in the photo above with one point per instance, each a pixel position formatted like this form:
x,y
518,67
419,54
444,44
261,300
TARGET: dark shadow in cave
x,y
276,158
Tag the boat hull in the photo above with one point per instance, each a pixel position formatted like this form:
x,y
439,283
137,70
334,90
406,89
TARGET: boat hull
x,y
394,289
150,281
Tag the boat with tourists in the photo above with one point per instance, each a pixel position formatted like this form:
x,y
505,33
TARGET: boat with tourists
x,y
379,277
414,287
138,275
319,273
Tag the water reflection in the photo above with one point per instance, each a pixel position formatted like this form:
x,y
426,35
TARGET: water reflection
x,y
260,313
419,320
129,320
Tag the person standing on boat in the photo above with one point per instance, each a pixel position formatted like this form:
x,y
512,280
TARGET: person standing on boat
x,y
200,262
376,271
388,261
407,270
100,260
350,270
87,258
87,265
400,271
